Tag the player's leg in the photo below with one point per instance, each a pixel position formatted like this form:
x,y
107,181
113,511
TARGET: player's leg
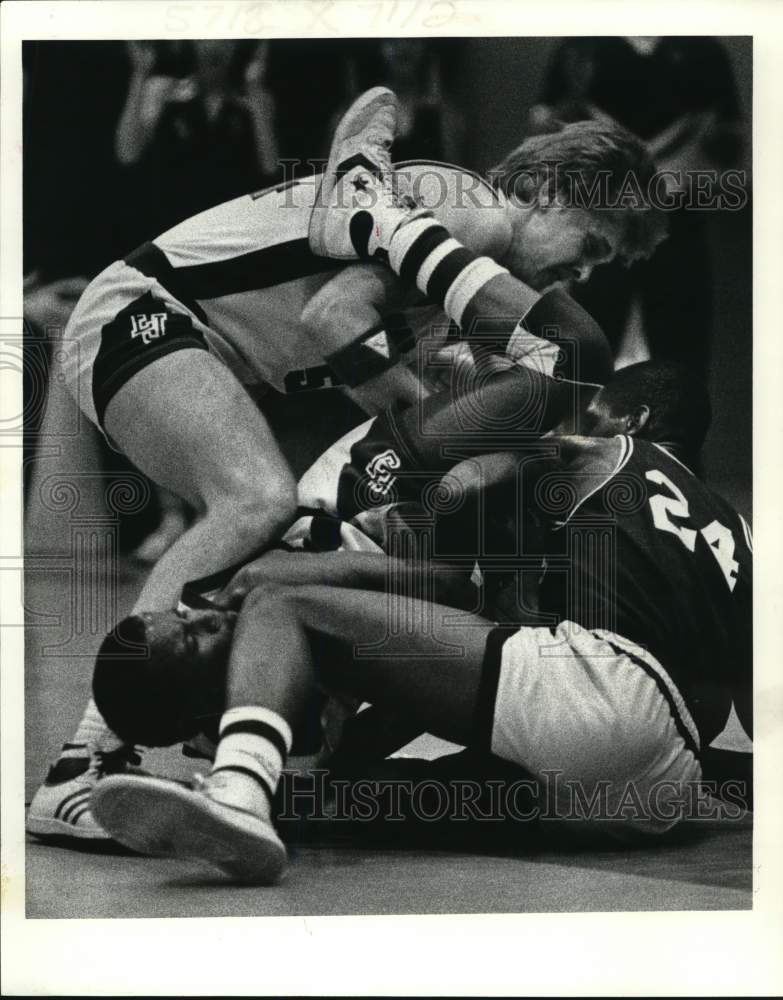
x,y
186,422
189,425
411,658
358,214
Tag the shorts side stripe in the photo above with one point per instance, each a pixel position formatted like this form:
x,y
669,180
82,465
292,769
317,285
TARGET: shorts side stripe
x,y
682,727
488,685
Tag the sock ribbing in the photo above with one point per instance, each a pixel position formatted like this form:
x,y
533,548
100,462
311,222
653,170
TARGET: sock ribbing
x,y
423,252
254,742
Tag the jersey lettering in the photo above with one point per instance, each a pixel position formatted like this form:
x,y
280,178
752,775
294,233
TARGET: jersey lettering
x,y
716,535
664,508
379,469
722,545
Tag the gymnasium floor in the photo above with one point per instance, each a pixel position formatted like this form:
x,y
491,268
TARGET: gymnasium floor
x,y
707,867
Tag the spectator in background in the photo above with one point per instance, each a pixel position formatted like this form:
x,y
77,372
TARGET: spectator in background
x,y
47,309
679,95
198,127
430,127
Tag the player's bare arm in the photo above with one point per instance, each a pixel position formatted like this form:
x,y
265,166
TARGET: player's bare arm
x,y
348,307
359,297
552,238
368,571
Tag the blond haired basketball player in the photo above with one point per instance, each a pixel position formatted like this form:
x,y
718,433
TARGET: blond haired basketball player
x,y
168,339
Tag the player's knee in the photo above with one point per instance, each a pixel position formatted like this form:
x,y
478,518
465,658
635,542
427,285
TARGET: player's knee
x,y
254,506
145,699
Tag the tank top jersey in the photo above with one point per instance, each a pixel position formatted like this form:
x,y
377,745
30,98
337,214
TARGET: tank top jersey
x,y
658,558
245,269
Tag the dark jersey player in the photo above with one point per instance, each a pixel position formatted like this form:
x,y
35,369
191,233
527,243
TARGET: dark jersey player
x,y
603,570
644,646
608,547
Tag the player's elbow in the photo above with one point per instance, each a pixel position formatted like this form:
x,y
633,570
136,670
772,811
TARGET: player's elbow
x,y
323,310
465,480
474,476
332,310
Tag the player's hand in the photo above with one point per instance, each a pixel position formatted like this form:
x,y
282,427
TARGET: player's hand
x,y
234,593
260,570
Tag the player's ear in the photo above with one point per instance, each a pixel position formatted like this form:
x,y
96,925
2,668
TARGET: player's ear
x,y
636,421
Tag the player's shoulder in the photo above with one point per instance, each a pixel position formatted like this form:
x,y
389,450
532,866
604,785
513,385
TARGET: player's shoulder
x,y
463,200
583,465
604,454
433,180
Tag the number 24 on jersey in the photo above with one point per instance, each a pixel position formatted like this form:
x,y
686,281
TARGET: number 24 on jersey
x,y
667,511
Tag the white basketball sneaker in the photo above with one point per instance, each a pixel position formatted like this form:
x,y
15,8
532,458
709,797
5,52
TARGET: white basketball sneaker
x,y
62,805
357,210
165,819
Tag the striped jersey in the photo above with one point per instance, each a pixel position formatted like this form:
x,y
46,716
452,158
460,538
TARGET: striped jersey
x,y
245,270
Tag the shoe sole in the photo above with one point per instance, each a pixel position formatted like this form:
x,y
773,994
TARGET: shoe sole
x,y
354,121
164,819
49,827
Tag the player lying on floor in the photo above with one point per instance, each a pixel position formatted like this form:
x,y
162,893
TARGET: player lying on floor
x,y
168,337
630,676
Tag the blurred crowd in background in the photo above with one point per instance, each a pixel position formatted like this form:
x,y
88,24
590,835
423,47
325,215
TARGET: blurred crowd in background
x,y
123,140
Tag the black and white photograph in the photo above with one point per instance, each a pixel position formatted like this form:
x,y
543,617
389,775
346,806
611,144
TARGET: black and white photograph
x,y
380,411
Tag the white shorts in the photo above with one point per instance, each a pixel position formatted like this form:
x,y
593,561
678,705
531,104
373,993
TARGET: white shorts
x,y
124,321
598,721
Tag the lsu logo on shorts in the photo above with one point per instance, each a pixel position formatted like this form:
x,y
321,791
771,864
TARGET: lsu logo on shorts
x,y
380,470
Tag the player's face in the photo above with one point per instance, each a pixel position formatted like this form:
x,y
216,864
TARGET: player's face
x,y
600,421
195,636
554,243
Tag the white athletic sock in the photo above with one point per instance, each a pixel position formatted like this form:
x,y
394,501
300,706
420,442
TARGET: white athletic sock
x,y
422,251
92,731
254,744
